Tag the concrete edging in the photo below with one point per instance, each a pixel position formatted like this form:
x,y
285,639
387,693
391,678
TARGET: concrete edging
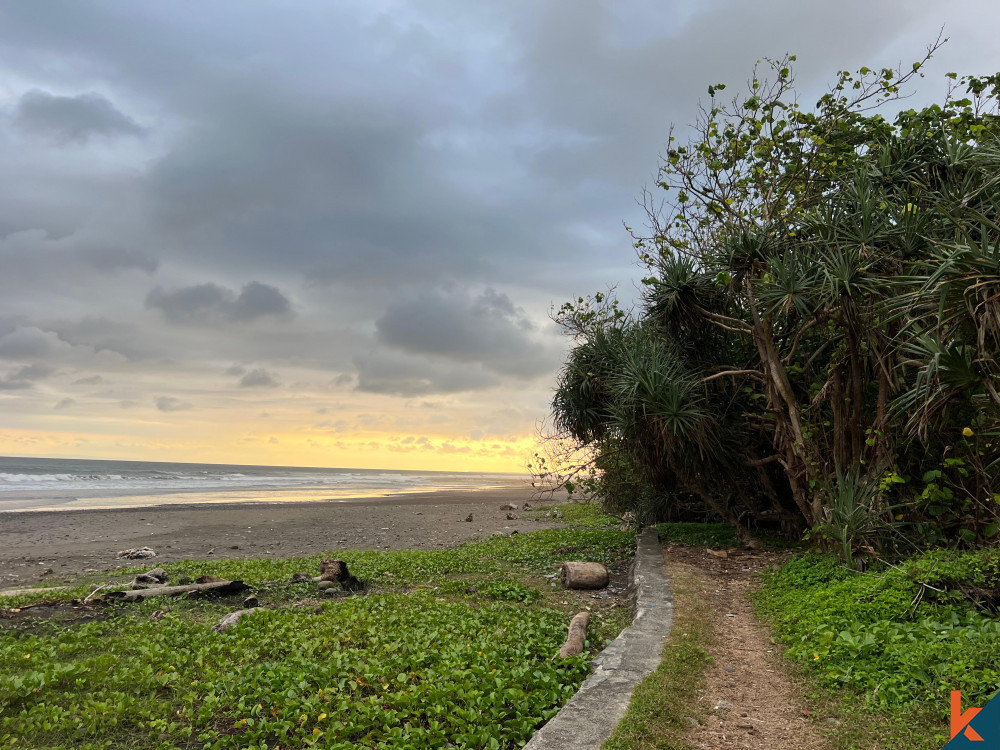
x,y
602,700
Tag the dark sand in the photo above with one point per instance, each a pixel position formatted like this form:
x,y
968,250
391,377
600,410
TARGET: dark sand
x,y
78,541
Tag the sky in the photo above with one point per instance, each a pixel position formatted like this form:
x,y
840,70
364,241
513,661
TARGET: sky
x,y
330,234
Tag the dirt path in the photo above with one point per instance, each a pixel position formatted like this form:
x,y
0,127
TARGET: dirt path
x,y
749,701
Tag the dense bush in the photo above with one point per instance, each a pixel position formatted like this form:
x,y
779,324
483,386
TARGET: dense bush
x,y
877,634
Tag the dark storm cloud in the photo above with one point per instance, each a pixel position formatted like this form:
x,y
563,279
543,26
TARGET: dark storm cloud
x,y
211,303
71,118
259,378
170,403
487,329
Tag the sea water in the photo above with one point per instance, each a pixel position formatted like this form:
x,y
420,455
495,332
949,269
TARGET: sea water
x,y
70,484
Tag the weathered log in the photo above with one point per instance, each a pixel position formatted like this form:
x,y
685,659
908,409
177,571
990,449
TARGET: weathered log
x,y
577,635
508,506
217,588
583,575
231,619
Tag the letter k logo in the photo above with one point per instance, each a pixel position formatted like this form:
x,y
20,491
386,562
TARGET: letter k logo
x,y
960,721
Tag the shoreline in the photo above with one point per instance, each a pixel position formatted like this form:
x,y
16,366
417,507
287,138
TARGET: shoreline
x,y
78,502
75,541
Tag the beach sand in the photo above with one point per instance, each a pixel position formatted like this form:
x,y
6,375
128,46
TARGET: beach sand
x,y
73,542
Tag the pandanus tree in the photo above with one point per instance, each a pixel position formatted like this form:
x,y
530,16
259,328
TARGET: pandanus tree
x,y
822,301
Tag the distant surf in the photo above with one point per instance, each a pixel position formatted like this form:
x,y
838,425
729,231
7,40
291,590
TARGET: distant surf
x,y
65,484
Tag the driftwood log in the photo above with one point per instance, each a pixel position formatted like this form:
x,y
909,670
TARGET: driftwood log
x,y
577,635
583,575
231,619
336,570
217,588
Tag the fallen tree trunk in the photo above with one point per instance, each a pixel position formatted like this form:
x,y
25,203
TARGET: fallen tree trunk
x,y
577,635
217,588
232,618
583,575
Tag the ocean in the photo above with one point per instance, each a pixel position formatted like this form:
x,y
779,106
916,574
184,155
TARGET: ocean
x,y
72,484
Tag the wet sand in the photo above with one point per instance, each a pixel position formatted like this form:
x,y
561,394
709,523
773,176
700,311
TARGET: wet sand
x,y
77,541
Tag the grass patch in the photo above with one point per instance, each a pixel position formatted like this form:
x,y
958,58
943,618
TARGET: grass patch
x,y
888,658
588,515
655,717
453,647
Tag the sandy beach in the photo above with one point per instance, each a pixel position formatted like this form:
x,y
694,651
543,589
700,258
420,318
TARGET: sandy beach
x,y
77,541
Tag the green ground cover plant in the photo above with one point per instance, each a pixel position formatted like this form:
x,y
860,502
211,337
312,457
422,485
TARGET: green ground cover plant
x,y
450,649
884,641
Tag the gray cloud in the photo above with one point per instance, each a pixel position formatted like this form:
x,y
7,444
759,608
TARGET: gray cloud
x,y
100,334
24,377
168,403
66,403
23,342
487,329
259,378
399,374
211,303
89,380
121,259
71,118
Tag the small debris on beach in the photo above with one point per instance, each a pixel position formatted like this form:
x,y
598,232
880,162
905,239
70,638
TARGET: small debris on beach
x,y
468,518
138,553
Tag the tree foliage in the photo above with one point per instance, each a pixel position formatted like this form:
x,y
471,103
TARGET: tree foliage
x,y
818,342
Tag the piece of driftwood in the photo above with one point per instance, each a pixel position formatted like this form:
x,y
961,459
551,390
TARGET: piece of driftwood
x,y
336,570
231,619
583,575
577,635
216,588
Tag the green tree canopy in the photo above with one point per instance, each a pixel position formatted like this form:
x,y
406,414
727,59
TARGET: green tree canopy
x,y
818,343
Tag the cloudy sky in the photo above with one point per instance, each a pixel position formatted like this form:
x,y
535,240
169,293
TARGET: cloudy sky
x,y
329,233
